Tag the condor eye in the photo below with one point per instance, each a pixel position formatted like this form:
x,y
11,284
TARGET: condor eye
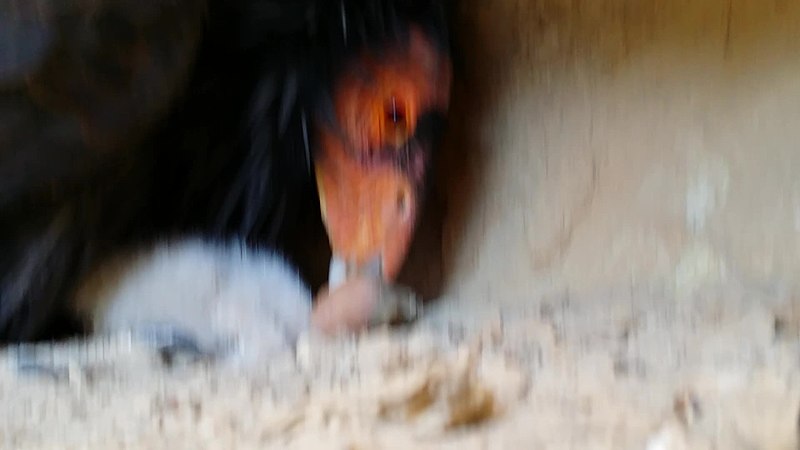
x,y
395,122
395,112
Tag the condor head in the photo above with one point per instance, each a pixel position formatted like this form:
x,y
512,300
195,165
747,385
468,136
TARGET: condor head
x,y
374,159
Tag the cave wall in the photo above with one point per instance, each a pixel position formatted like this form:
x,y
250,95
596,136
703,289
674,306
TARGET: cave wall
x,y
613,143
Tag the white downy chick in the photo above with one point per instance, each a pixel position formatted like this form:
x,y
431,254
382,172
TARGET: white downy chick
x,y
224,298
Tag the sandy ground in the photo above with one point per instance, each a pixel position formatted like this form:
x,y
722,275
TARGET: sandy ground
x,y
597,145
628,370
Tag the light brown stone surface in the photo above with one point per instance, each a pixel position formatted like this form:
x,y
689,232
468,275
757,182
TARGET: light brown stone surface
x,y
617,141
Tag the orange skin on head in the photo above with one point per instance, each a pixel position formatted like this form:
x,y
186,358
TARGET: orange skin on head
x,y
375,212
416,76
370,171
369,203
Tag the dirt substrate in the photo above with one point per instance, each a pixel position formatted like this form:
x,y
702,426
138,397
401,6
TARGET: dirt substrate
x,y
622,370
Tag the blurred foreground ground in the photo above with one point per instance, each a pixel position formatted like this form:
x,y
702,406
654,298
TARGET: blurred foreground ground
x,y
626,370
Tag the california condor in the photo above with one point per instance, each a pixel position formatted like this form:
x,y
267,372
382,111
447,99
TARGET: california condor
x,y
127,123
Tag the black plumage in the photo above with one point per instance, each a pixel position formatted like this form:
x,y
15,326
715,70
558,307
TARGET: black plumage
x,y
124,121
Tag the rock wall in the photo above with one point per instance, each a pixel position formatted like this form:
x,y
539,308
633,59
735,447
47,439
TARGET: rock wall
x,y
608,143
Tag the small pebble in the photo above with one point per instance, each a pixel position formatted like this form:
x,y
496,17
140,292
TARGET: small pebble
x,y
348,308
